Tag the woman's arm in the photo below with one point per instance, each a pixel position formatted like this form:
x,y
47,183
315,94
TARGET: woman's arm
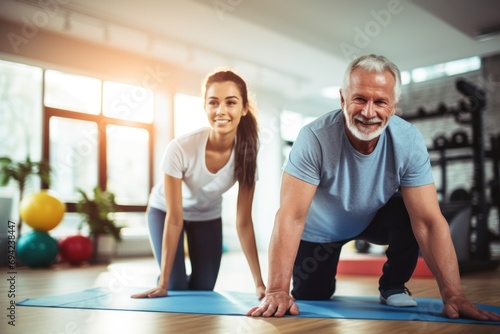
x,y
171,233
246,234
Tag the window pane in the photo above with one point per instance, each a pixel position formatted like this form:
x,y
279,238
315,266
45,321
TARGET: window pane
x,y
128,164
188,114
132,103
20,111
73,155
72,92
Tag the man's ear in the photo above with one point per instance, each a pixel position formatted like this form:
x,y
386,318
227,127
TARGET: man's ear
x,y
341,98
394,109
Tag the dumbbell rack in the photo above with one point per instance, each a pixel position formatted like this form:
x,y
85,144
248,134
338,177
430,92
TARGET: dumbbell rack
x,y
441,146
469,112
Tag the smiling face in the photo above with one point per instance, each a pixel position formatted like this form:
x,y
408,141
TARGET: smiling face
x,y
224,106
368,104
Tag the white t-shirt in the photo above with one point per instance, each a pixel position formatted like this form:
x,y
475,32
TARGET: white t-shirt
x,y
202,190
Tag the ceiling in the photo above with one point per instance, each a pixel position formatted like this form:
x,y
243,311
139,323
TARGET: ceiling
x,y
292,47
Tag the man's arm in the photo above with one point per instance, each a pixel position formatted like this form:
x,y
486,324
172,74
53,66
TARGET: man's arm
x,y
295,199
433,236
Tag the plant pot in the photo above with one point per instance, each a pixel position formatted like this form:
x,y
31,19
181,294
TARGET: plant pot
x,y
104,248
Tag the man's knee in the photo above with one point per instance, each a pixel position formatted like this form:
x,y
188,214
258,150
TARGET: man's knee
x,y
304,290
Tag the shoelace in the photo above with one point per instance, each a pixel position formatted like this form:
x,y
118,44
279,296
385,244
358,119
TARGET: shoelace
x,y
407,291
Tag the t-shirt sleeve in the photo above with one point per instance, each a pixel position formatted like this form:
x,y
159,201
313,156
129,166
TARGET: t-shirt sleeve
x,y
304,160
172,162
419,170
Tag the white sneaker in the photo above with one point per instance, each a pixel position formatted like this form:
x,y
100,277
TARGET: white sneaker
x,y
397,298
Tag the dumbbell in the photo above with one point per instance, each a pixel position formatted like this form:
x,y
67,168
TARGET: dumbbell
x,y
459,139
441,142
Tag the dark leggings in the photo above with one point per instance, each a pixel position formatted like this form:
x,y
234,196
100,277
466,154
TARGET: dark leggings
x,y
205,251
315,266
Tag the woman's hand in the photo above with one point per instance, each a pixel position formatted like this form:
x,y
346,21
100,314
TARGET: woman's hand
x,y
153,293
260,291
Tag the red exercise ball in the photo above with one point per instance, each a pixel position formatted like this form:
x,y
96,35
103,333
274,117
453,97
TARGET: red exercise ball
x,y
75,249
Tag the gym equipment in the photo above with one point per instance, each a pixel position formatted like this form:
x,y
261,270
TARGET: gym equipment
x,y
480,247
75,249
468,215
442,109
458,215
441,142
459,194
42,210
362,246
460,139
495,182
37,249
421,112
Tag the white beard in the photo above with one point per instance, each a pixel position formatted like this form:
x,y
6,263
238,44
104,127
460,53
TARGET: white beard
x,y
364,134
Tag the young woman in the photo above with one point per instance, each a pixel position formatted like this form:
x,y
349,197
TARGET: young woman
x,y
198,168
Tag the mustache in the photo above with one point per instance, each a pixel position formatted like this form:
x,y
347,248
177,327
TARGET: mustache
x,y
367,120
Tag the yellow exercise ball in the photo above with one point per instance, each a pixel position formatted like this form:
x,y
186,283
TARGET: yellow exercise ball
x,y
42,210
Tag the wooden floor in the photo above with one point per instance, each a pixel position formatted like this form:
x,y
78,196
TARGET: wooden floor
x,y
481,287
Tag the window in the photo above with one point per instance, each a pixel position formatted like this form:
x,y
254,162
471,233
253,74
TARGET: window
x,y
72,92
91,132
189,114
73,156
127,102
91,146
445,69
20,105
21,113
127,156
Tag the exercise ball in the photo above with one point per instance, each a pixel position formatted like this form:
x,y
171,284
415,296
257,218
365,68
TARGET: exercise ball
x,y
42,210
75,249
37,249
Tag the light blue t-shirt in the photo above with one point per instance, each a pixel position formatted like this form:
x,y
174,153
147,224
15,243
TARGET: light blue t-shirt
x,y
352,187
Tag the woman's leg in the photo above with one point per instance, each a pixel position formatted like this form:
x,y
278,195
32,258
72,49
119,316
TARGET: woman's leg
x,y
156,224
205,252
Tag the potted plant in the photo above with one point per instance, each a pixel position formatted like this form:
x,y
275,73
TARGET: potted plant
x,y
98,215
20,172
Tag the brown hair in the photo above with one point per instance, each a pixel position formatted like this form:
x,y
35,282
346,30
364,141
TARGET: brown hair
x,y
247,137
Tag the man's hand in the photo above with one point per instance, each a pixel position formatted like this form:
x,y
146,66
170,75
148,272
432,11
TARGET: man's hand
x,y
457,307
275,304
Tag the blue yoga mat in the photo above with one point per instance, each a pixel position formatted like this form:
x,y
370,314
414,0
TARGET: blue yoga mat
x,y
238,303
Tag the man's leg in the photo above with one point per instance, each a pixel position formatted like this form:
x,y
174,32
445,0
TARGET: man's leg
x,y
391,226
315,269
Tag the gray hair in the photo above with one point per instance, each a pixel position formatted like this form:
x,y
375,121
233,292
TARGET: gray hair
x,y
374,63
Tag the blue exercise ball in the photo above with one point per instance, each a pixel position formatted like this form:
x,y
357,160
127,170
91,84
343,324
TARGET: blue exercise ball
x,y
37,249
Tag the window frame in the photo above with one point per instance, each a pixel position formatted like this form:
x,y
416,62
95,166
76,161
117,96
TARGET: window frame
x,y
102,122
